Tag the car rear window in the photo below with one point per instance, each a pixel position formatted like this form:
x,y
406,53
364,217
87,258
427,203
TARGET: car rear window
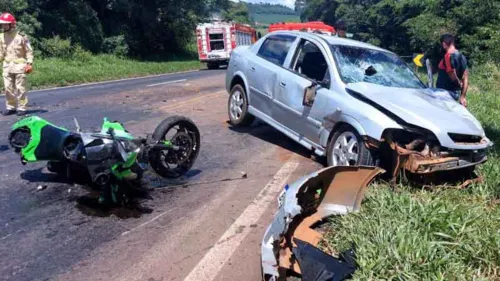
x,y
275,48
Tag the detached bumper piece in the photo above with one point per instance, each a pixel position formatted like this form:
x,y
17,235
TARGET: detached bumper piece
x,y
289,244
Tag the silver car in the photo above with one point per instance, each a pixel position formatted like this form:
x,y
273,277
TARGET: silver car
x,y
352,102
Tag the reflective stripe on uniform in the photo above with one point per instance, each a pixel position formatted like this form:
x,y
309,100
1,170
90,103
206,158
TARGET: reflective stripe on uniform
x,y
16,60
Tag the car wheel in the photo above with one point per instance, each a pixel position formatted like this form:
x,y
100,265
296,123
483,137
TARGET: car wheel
x,y
346,148
237,106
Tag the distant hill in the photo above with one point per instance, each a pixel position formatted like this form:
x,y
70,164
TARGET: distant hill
x,y
266,8
263,14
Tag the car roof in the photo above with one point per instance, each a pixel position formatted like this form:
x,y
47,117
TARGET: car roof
x,y
333,40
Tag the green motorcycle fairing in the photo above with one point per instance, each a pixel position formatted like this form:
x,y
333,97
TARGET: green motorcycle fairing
x,y
36,126
118,129
120,170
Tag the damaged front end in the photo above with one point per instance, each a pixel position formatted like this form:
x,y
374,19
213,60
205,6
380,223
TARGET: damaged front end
x,y
418,151
289,244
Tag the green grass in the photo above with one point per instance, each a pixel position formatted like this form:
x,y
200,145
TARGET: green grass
x,y
437,234
50,72
270,18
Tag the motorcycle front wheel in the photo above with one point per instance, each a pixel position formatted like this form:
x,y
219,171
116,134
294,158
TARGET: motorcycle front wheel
x,y
184,137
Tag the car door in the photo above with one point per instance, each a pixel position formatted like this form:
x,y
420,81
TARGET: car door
x,y
307,66
264,71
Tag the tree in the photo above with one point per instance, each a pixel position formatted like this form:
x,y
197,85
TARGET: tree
x,y
160,27
409,26
238,12
25,14
74,19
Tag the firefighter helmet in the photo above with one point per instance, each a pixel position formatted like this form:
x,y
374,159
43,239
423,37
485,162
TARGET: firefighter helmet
x,y
7,18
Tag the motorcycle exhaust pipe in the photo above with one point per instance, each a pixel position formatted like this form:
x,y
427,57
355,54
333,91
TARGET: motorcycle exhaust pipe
x,y
102,178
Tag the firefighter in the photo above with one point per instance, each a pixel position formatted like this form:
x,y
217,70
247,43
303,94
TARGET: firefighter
x,y
17,56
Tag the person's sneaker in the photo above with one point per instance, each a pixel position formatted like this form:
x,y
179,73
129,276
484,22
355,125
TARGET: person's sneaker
x,y
8,112
21,113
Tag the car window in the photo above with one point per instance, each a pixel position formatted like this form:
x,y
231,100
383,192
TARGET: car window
x,y
309,61
374,66
275,48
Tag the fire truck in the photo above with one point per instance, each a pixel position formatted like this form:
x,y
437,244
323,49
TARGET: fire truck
x,y
312,26
216,41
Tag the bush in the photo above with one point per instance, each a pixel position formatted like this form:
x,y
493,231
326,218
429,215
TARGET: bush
x,y
56,47
81,55
115,45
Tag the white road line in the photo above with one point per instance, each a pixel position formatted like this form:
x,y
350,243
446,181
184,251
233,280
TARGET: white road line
x,y
111,81
168,82
213,261
148,222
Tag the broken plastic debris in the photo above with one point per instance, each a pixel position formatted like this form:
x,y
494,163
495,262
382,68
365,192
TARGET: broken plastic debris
x,y
305,203
317,265
41,187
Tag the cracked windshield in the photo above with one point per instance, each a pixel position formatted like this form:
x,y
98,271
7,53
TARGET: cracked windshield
x,y
372,66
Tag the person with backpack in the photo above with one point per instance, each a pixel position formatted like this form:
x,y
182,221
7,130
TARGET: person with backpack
x,y
453,73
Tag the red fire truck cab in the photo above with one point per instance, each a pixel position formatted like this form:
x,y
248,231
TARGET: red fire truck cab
x,y
311,26
217,40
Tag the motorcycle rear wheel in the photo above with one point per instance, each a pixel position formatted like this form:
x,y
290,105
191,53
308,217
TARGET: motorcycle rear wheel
x,y
183,134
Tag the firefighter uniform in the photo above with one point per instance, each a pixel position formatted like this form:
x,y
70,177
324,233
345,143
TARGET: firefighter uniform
x,y
16,53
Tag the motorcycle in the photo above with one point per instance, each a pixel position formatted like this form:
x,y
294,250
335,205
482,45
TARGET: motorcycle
x,y
111,158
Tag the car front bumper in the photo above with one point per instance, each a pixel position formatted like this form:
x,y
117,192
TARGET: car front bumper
x,y
423,165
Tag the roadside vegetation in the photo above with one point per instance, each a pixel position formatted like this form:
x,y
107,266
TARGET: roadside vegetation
x,y
109,39
52,72
438,232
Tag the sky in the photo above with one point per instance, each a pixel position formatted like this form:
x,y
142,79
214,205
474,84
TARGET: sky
x,y
289,3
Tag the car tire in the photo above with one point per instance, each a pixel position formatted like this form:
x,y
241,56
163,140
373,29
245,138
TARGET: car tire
x,y
237,107
346,148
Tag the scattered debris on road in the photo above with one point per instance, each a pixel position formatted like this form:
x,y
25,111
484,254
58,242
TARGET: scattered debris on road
x,y
41,187
290,242
188,184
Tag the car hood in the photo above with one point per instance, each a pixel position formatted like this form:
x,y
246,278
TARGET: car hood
x,y
433,109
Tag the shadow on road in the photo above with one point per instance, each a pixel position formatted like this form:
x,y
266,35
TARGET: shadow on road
x,y
90,206
88,203
36,111
38,176
269,134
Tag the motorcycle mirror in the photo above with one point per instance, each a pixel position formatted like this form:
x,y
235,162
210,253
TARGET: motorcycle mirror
x,y
77,125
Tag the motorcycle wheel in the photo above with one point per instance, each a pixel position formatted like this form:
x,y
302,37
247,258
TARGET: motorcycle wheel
x,y
184,135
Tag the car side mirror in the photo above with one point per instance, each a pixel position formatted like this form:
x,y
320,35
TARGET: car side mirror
x,y
310,95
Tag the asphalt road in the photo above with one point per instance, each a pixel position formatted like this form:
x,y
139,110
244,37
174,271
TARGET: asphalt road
x,y
204,226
